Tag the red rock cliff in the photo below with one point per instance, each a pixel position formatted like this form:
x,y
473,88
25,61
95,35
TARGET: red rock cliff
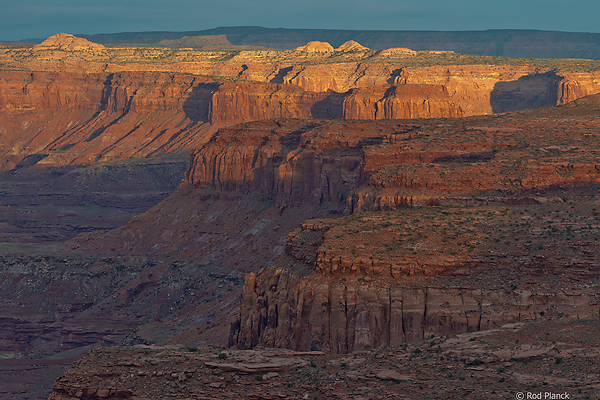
x,y
69,117
400,102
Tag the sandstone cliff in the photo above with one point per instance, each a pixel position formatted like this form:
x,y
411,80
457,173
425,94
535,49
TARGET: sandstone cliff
x,y
64,118
293,161
287,307
389,165
383,279
399,102
477,89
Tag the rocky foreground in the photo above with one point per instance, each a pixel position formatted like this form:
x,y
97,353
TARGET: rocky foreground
x,y
534,356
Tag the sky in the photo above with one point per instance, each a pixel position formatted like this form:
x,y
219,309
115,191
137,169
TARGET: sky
x,y
26,19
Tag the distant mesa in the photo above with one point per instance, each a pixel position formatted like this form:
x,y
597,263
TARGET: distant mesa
x,y
64,41
398,51
316,47
209,42
351,45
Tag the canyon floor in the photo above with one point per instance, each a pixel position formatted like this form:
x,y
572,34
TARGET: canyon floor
x,y
416,211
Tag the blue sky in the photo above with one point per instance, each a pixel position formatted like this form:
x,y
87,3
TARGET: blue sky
x,y
39,19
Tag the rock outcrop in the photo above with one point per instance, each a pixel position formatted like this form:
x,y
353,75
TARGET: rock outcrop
x,y
68,118
238,102
282,309
503,359
233,103
383,279
295,162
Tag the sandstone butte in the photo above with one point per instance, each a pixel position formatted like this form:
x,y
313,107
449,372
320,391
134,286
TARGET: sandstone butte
x,y
353,199
351,45
66,42
316,47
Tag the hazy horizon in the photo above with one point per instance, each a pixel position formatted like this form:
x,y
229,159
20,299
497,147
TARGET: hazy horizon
x,y
36,19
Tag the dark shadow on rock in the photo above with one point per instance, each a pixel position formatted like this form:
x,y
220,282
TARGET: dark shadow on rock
x,y
468,157
106,91
197,106
330,107
281,74
530,91
29,161
397,75
244,69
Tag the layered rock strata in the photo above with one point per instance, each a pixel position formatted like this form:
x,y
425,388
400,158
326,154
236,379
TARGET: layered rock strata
x,y
68,118
295,162
399,102
478,85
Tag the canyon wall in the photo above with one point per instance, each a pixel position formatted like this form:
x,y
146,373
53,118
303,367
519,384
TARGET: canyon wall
x,y
476,89
134,104
385,166
382,279
246,102
295,162
477,85
400,102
